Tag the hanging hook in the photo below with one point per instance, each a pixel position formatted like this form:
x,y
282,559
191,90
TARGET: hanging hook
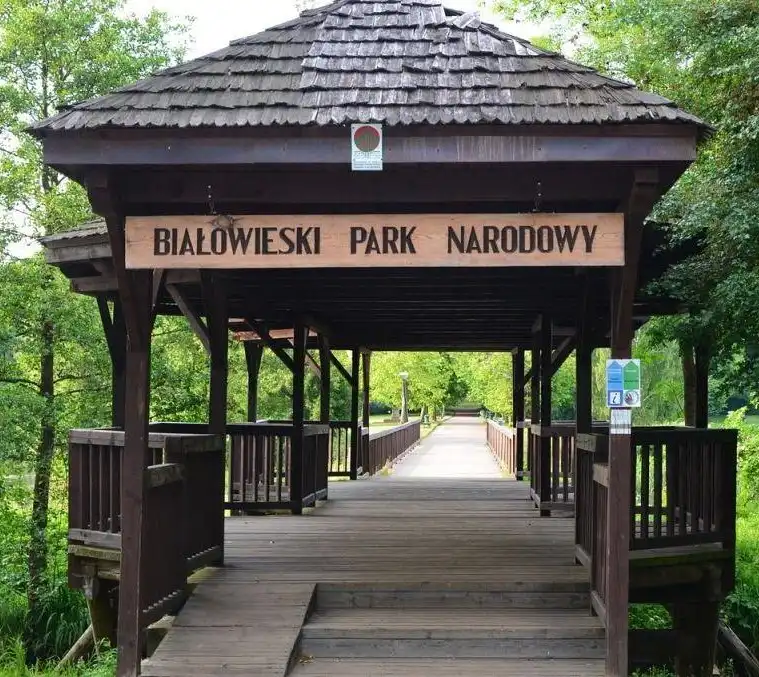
x,y
211,205
538,197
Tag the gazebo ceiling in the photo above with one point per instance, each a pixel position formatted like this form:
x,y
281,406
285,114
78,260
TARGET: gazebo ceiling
x,y
397,62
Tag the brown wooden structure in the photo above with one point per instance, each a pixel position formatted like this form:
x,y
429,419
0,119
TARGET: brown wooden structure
x,y
475,122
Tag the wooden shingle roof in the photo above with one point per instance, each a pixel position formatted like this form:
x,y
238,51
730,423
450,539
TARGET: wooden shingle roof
x,y
397,62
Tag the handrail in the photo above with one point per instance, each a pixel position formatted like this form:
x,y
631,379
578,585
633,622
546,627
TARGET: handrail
x,y
390,431
377,450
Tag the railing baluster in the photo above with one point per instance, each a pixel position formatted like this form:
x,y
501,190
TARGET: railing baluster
x,y
645,491
658,489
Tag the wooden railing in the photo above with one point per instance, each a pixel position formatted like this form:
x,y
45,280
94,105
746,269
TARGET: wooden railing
x,y
260,464
682,493
339,445
503,444
551,450
683,487
183,507
340,449
379,449
261,467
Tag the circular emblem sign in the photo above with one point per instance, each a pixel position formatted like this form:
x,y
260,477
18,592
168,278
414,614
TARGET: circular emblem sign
x,y
366,139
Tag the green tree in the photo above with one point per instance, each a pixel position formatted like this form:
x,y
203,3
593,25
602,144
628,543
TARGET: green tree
x,y
54,53
431,383
705,56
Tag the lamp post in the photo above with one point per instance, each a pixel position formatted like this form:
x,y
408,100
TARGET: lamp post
x,y
404,396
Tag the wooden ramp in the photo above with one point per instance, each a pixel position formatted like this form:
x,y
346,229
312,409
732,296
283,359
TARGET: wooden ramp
x,y
395,577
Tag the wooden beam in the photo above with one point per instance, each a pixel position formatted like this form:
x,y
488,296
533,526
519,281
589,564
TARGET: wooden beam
x,y
488,145
135,289
517,400
262,330
345,373
355,430
253,355
366,359
195,321
324,359
116,339
535,376
703,361
217,316
311,363
584,366
643,196
297,447
546,403
558,357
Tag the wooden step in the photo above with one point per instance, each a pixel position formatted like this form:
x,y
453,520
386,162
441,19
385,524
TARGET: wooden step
x,y
572,595
449,668
453,633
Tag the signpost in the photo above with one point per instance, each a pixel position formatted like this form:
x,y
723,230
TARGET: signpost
x,y
374,240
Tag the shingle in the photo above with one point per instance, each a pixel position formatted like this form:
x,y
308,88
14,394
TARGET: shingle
x,y
398,62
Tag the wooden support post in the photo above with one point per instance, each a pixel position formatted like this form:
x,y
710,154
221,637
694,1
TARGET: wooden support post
x,y
217,321
535,378
546,373
366,362
623,284
696,625
253,354
703,361
116,339
299,415
584,367
517,404
136,295
325,359
355,428
618,506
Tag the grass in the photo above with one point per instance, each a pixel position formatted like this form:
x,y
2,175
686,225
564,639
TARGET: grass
x,y
12,664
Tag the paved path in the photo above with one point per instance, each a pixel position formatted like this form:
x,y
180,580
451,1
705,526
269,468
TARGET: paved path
x,y
456,449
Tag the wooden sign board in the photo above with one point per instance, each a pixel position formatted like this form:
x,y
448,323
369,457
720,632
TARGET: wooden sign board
x,y
375,240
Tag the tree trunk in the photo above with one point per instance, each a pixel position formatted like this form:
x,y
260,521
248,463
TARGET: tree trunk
x,y
42,470
689,383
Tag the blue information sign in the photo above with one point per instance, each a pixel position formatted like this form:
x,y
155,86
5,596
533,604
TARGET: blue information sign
x,y
623,383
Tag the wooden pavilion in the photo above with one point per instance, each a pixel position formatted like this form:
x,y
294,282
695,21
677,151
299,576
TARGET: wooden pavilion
x,y
508,215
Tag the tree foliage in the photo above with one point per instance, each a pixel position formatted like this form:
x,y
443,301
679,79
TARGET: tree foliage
x,y
53,53
705,56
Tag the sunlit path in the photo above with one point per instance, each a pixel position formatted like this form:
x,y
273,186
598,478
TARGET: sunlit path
x,y
455,449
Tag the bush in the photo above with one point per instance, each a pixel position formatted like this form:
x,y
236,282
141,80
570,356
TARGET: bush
x,y
741,609
649,617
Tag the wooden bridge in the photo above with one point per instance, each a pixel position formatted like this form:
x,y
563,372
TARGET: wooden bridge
x,y
442,568
229,196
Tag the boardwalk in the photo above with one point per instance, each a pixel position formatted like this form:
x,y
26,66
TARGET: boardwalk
x,y
456,450
443,568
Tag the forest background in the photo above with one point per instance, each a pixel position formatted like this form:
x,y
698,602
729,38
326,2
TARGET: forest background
x,y
54,365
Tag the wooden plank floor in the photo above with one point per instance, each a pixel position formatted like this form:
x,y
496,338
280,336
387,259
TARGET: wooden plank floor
x,y
465,526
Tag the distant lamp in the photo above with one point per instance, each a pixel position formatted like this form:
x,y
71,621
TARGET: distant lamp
x,y
404,396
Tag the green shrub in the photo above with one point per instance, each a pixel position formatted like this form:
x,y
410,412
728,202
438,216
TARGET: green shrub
x,y
649,617
741,609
